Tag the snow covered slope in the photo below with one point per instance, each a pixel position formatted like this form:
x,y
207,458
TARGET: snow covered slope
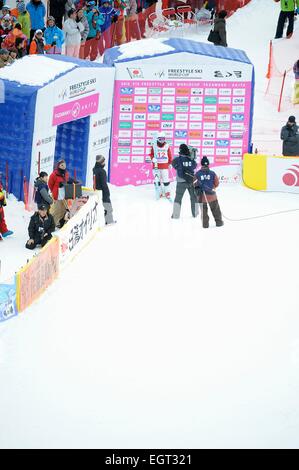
x,y
162,334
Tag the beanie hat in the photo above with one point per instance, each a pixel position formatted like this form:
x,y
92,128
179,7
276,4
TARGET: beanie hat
x,y
21,7
100,159
205,161
50,18
292,119
184,150
42,207
38,31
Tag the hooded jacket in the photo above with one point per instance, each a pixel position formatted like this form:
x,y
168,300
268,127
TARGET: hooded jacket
x,y
290,137
220,28
107,13
42,195
184,166
38,226
205,183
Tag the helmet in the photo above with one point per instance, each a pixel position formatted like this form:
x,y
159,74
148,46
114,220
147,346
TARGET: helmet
x,y
161,137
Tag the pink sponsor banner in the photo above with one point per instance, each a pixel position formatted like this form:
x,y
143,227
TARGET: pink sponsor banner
x,y
213,117
75,109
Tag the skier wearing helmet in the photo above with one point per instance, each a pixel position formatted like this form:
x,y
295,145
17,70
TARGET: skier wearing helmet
x,y
161,157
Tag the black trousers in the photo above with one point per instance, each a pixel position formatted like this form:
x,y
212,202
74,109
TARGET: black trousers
x,y
39,241
180,191
215,209
281,21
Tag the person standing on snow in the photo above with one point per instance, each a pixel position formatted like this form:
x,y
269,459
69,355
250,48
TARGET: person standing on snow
x,y
72,31
56,184
184,165
287,12
220,28
41,187
205,183
54,36
4,232
100,184
161,158
290,136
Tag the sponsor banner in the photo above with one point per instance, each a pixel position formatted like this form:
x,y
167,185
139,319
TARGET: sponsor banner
x,y
283,174
8,306
80,229
194,111
38,274
76,109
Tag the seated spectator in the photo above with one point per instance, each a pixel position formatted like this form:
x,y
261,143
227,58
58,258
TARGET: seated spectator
x,y
5,27
37,45
13,53
37,12
40,228
10,39
5,59
56,183
41,187
4,232
24,18
54,37
21,48
6,10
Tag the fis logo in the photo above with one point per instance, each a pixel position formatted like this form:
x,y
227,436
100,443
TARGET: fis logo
x,y
154,108
238,117
222,143
126,91
291,178
181,134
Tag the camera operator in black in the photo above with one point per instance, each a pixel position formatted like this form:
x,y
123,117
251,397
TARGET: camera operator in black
x,y
184,165
100,184
206,181
40,228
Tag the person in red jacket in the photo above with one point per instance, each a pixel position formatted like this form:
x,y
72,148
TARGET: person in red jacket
x,y
56,186
4,232
161,157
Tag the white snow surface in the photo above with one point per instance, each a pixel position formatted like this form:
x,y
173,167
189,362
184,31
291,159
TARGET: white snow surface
x,y
35,70
161,334
144,47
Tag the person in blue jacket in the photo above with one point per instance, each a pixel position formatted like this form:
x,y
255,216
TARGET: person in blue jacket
x,y
95,22
54,36
110,16
37,12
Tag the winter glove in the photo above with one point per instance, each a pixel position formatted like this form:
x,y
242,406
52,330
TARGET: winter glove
x,y
53,43
139,10
60,185
114,19
98,35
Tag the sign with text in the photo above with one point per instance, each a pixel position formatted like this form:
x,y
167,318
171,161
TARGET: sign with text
x,y
79,230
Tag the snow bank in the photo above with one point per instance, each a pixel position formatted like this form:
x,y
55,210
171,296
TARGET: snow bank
x,y
35,70
144,47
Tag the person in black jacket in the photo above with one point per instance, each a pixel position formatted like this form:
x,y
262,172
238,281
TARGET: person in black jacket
x,y
100,184
290,136
184,165
40,228
57,10
41,187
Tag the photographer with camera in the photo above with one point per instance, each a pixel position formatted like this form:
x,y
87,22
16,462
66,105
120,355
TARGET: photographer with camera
x,y
184,165
40,228
290,136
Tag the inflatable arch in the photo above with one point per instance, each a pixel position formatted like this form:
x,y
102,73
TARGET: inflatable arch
x,y
53,107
